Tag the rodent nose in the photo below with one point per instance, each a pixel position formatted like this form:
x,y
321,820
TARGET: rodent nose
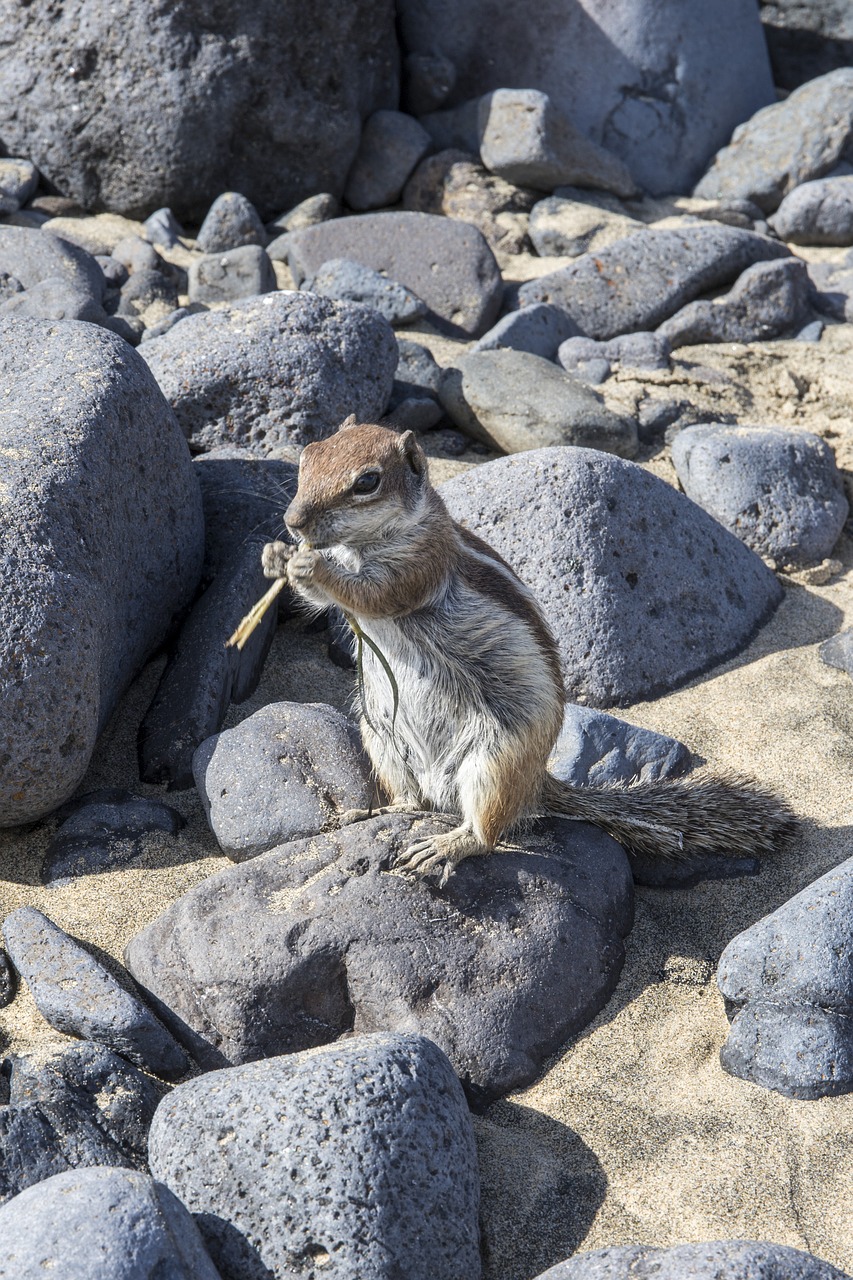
x,y
296,516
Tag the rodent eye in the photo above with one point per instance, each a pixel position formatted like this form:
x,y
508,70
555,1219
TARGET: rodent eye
x,y
367,482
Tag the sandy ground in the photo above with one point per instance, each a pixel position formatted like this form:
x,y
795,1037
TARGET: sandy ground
x,y
634,1133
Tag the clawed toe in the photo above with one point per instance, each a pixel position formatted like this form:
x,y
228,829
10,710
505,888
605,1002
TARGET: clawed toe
x,y
437,855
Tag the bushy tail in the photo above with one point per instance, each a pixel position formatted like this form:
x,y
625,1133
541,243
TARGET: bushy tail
x,y
680,818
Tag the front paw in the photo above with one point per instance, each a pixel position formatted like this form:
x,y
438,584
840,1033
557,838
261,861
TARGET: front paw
x,y
303,567
275,558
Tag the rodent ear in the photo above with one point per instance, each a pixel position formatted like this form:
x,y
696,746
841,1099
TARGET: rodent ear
x,y
348,422
412,452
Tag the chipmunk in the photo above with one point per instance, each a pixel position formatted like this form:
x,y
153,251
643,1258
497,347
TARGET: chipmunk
x,y
479,695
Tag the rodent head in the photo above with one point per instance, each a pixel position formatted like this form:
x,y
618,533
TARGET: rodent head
x,y
361,485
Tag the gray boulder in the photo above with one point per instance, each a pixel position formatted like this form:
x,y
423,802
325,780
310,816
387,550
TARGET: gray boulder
x,y
526,139
391,145
819,212
514,401
262,98
103,830
571,222
163,228
58,280
452,183
597,750
427,80
78,996
18,182
445,262
282,369
539,329
237,273
315,938
360,1155
101,1224
661,86
285,772
767,301
785,144
641,587
807,40
231,222
789,993
779,491
351,282
94,567
833,288
640,281
717,1260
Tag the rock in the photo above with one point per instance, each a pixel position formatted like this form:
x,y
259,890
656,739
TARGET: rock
x,y
149,295
137,255
457,128
231,222
163,228
513,401
633,351
361,1154
787,985
427,80
391,145
77,624
414,414
526,139
308,213
572,221
717,1260
104,830
837,651
373,948
224,277
18,182
452,183
8,980
597,750
78,996
660,85
768,300
351,282
639,282
285,772
539,329
786,144
101,1224
168,322
641,587
244,500
446,263
282,369
833,288
60,281
806,40
418,375
115,273
819,212
99,233
263,99
779,491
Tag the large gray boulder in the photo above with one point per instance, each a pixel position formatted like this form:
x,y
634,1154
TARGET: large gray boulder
x,y
281,369
660,83
101,543
359,1156
807,38
641,587
266,99
315,938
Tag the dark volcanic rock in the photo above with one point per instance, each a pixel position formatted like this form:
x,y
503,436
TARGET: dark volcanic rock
x,y
786,144
639,282
101,1224
285,772
789,993
595,749
231,222
224,277
285,368
361,1154
717,1260
454,184
837,651
391,145
351,282
59,281
445,262
819,212
78,996
538,329
807,38
641,587
100,546
373,948
779,491
103,831
262,98
768,300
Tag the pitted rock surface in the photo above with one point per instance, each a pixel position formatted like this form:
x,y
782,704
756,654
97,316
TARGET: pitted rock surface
x,y
316,938
717,1260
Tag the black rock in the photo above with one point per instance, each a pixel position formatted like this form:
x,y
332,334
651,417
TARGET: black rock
x,y
767,301
806,40
231,221
595,749
103,830
59,280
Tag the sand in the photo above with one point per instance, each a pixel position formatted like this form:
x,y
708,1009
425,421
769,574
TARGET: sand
x,y
633,1133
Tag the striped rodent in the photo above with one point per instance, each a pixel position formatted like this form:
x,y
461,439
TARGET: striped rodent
x,y
481,695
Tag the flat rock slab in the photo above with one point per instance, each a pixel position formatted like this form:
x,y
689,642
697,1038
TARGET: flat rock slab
x,y
358,1156
104,830
785,144
768,300
819,212
641,587
101,541
788,987
444,262
282,369
315,938
640,281
717,1260
515,401
779,491
101,1224
285,772
78,996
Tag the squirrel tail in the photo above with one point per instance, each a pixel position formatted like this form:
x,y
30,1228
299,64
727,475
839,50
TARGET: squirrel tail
x,y
680,818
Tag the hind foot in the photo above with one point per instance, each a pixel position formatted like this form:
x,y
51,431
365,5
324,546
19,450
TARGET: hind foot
x,y
439,854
